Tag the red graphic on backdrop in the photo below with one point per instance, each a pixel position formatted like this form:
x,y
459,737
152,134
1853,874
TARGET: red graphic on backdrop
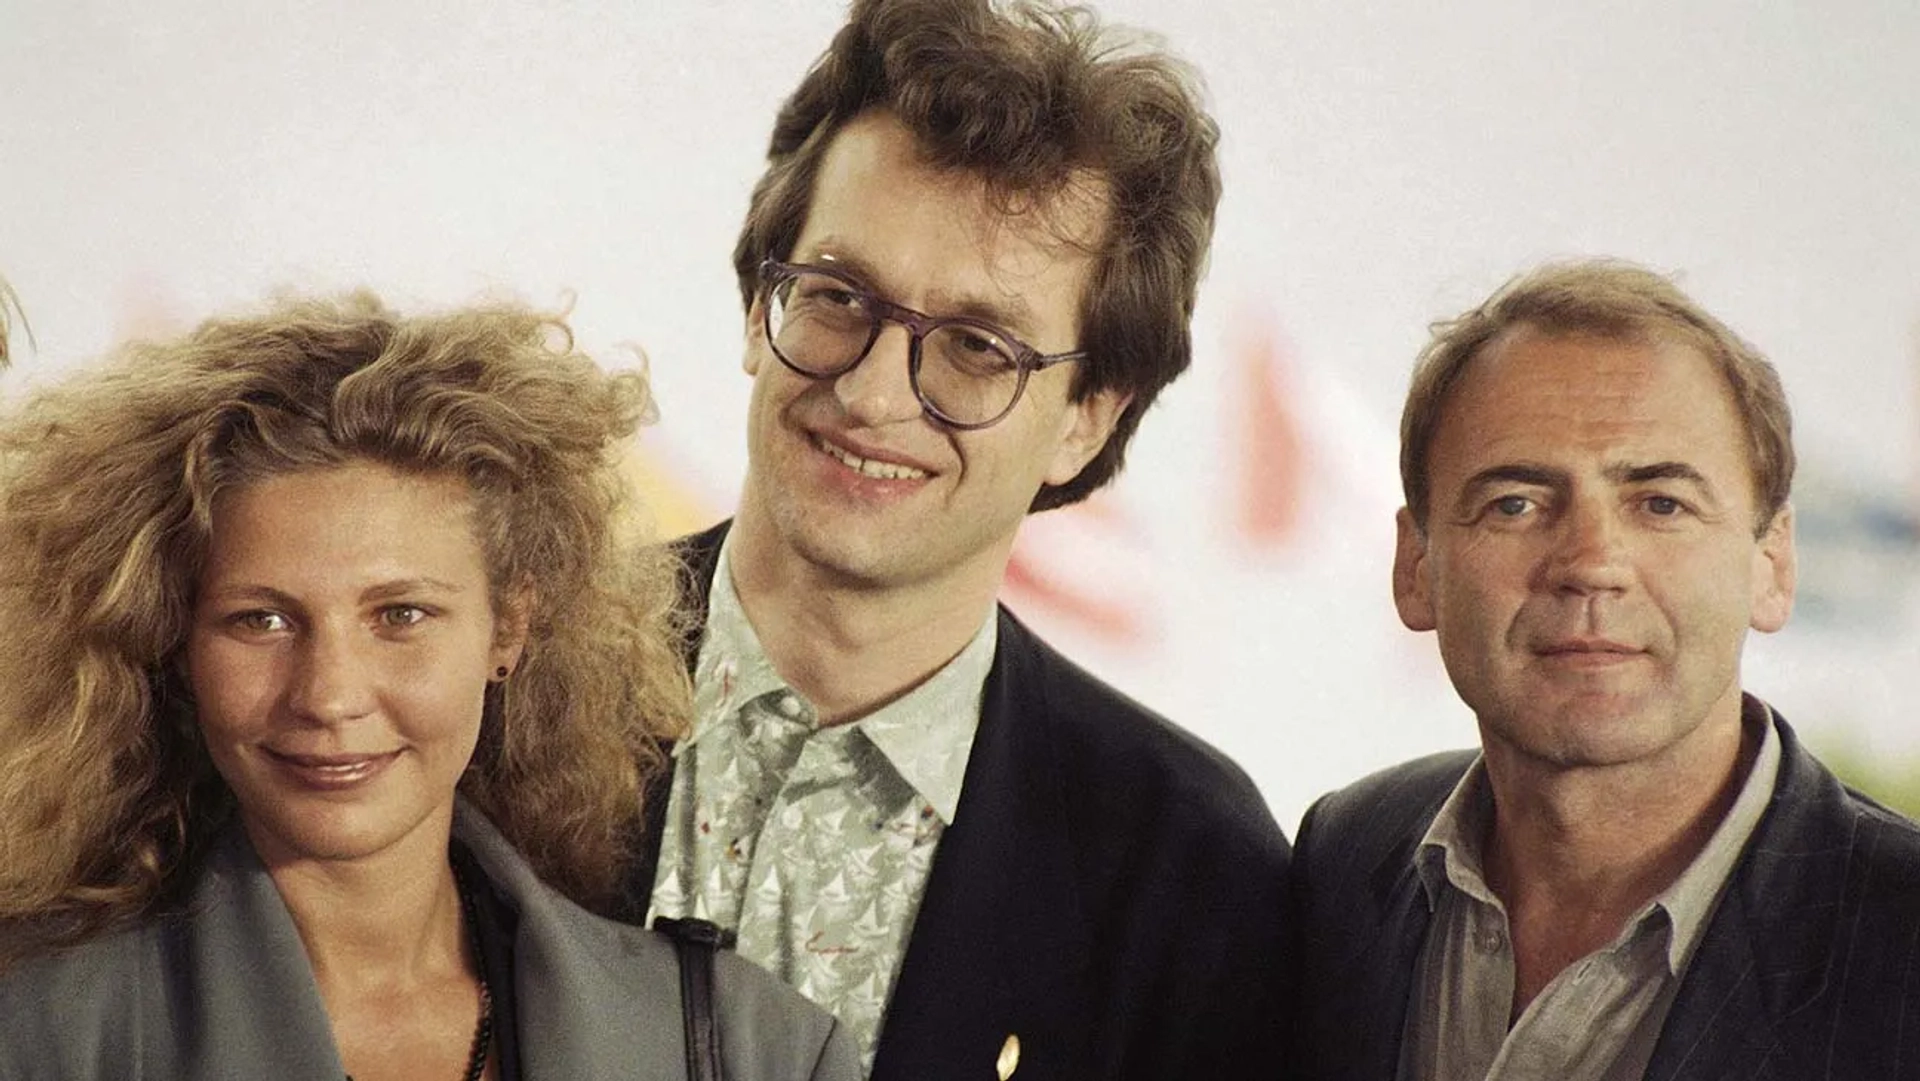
x,y
1073,569
1268,451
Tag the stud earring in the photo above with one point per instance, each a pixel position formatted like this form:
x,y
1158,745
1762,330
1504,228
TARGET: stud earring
x,y
500,672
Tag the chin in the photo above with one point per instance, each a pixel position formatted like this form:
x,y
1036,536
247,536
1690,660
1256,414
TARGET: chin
x,y
1596,733
846,549
331,834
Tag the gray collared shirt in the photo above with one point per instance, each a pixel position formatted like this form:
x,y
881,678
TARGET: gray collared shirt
x,y
814,843
1599,1018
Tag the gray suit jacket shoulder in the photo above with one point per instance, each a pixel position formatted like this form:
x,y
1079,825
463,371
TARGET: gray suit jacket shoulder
x,y
224,990
1809,969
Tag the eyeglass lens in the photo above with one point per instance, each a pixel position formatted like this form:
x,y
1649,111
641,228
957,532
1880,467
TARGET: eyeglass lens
x,y
822,327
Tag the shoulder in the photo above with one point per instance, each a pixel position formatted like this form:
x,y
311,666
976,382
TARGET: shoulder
x,y
767,1030
75,1013
1364,823
1116,755
598,996
1813,811
698,554
1395,796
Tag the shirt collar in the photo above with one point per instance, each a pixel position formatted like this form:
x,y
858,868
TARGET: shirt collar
x,y
925,734
1691,898
732,668
1450,851
928,733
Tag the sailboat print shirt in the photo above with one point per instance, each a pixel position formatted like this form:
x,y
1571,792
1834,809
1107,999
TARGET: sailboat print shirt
x,y
812,842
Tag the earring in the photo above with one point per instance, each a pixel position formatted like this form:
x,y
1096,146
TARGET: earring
x,y
500,672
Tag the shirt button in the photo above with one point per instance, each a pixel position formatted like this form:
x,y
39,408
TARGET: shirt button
x,y
1490,940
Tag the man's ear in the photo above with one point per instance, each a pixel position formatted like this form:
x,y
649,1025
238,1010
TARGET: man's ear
x,y
510,625
1412,592
756,336
1775,572
1084,430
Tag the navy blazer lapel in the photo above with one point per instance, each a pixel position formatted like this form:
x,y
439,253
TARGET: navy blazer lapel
x,y
1391,962
1769,949
1361,918
699,560
1365,996
1000,944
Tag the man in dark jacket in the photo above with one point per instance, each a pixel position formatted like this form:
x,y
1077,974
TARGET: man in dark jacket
x,y
1642,873
967,272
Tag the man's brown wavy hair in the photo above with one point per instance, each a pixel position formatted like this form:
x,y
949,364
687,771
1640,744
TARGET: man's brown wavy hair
x,y
107,488
1029,98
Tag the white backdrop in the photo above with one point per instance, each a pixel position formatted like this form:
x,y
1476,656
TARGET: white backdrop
x,y
1386,163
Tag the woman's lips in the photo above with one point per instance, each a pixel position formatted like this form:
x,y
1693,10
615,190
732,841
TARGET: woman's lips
x,y
333,772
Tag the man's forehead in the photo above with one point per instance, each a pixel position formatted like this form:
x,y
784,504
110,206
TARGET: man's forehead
x,y
1545,364
1062,218
947,240
1620,404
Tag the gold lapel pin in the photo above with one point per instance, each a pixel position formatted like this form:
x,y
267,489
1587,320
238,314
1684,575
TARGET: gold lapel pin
x,y
1009,1060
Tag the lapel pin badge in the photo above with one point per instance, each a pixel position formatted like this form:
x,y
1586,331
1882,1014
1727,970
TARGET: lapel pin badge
x,y
1009,1060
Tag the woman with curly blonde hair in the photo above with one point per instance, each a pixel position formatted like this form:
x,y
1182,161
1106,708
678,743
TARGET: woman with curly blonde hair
x,y
329,686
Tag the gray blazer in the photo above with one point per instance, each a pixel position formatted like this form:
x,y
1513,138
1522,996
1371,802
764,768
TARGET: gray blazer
x,y
225,991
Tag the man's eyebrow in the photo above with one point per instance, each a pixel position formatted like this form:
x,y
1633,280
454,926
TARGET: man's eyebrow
x,y
1627,473
1515,473
1010,312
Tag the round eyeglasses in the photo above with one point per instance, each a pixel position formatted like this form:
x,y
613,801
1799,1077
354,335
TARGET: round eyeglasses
x,y
966,373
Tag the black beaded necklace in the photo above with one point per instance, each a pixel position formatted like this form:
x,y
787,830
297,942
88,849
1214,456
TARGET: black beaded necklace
x,y
483,1032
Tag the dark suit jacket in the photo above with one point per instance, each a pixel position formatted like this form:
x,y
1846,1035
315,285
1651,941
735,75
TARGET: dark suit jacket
x,y
1109,891
1809,969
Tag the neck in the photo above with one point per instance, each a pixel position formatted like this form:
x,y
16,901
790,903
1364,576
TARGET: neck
x,y
851,647
1573,853
392,918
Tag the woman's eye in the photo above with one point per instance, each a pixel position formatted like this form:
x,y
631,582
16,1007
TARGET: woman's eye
x,y
259,622
402,615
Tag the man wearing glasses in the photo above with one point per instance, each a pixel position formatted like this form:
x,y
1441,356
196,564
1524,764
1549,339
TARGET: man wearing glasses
x,y
967,271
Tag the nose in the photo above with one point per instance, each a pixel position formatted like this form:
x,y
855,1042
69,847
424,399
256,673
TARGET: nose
x,y
333,679
1589,553
879,390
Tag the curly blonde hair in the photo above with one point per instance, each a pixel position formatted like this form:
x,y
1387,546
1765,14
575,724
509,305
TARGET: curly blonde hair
x,y
107,484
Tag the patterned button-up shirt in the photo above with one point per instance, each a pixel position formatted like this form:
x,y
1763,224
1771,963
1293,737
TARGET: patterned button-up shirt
x,y
1599,1018
813,842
